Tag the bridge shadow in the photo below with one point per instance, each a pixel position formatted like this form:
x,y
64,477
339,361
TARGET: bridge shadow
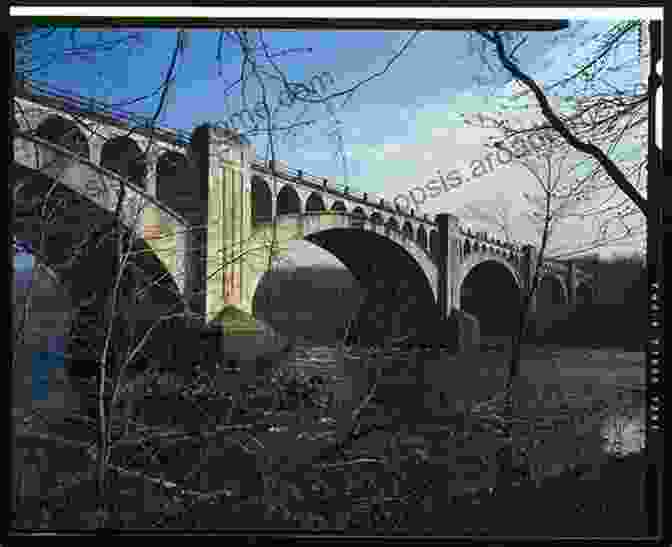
x,y
75,240
491,294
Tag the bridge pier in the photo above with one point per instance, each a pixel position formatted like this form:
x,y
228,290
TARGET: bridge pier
x,y
448,263
221,162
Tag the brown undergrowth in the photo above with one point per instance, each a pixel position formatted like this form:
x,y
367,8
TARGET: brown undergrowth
x,y
290,460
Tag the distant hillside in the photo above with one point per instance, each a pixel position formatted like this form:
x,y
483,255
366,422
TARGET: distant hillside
x,y
310,302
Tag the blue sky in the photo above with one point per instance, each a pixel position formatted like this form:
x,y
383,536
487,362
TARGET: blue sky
x,y
398,129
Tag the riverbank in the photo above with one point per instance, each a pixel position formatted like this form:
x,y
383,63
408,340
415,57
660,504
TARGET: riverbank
x,y
454,444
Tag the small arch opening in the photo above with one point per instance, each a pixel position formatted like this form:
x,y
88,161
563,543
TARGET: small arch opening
x,y
64,133
123,156
315,203
422,237
391,226
407,230
339,206
262,201
289,202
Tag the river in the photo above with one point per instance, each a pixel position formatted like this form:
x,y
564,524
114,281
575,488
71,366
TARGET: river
x,y
621,419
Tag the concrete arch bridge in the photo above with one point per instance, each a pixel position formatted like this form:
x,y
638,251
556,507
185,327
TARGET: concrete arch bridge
x,y
204,210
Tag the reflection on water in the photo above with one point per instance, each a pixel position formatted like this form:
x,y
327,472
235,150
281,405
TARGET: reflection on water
x,y
623,435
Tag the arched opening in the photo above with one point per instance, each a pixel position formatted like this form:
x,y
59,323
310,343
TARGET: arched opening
x,y
490,292
422,237
359,212
64,133
310,302
550,293
377,218
123,156
397,298
314,203
391,226
339,206
584,295
262,201
173,186
288,201
434,244
407,230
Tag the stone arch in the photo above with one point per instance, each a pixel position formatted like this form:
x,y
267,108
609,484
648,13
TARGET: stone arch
x,y
359,212
391,225
315,203
173,185
77,220
407,230
39,355
422,237
339,206
490,290
474,260
288,202
261,201
123,156
399,287
65,133
377,218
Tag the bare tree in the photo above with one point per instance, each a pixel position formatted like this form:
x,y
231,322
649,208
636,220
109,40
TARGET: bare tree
x,y
121,357
494,213
558,195
606,123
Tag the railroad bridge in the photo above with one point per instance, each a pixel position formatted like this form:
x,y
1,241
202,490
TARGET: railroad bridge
x,y
202,206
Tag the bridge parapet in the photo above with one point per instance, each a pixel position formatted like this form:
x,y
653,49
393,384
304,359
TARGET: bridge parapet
x,y
302,178
66,101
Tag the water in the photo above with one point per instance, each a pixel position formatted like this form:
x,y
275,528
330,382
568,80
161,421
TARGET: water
x,y
621,431
623,435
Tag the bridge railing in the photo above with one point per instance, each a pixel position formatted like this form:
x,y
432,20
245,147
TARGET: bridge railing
x,y
69,101
323,184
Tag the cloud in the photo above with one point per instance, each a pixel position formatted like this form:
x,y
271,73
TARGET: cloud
x,y
439,132
392,149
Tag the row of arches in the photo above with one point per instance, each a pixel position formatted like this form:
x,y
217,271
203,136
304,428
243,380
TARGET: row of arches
x,y
124,156
492,277
471,246
121,155
289,203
